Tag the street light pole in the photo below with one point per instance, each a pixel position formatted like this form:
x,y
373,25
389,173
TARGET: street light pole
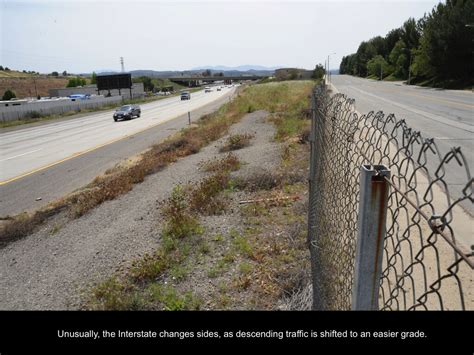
x,y
329,74
326,69
409,65
409,69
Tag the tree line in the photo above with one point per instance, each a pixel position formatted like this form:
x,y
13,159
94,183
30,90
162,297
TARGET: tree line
x,y
436,50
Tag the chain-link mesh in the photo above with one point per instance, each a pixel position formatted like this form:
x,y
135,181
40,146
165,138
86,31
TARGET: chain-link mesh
x,y
428,258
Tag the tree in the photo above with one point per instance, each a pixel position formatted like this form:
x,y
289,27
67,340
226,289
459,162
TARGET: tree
x,y
410,33
391,39
74,82
378,67
55,73
8,95
399,60
348,65
1,68
447,41
421,68
207,72
365,52
380,46
293,74
7,69
64,73
94,78
318,72
439,47
147,83
219,74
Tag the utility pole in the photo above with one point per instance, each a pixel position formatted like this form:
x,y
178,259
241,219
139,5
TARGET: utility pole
x,y
121,63
36,90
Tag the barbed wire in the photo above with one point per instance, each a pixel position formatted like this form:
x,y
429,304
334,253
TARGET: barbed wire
x,y
428,250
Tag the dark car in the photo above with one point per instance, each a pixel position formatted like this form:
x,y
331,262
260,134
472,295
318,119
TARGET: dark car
x,y
127,112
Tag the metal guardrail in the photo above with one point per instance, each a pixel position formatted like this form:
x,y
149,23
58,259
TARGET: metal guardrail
x,y
427,248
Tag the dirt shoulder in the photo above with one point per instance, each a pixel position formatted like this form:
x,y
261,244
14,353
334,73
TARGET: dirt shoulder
x,y
245,248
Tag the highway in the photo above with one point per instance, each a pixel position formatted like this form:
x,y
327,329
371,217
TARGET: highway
x,y
42,163
446,115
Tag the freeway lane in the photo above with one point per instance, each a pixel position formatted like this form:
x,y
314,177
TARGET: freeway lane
x,y
30,149
446,115
59,179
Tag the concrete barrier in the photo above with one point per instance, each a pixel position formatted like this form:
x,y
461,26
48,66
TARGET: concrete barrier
x,y
54,107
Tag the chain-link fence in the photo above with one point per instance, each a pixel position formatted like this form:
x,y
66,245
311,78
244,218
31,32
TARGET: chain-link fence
x,y
428,255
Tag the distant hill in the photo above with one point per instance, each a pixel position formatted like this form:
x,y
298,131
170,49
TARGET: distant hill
x,y
243,68
15,74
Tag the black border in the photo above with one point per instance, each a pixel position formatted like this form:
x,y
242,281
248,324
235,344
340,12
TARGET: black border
x,y
21,329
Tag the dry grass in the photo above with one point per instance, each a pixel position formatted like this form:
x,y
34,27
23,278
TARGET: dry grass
x,y
206,198
236,141
25,86
269,180
230,162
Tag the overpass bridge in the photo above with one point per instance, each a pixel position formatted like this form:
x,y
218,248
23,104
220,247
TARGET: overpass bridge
x,y
198,80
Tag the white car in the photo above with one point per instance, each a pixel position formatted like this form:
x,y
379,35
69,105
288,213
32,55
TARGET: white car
x,y
207,89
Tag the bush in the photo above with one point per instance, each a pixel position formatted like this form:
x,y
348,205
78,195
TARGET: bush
x,y
33,114
180,222
74,82
8,95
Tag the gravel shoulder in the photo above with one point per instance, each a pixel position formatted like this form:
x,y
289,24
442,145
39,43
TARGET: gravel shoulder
x,y
49,269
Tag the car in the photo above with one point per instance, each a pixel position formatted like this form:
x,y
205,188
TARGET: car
x,y
127,112
207,89
185,95
218,88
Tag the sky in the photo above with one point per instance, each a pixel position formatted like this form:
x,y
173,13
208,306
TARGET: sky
x,y
82,36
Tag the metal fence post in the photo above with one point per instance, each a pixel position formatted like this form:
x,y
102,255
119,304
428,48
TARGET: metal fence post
x,y
312,239
371,235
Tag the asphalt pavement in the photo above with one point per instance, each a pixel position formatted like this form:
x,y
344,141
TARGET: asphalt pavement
x,y
445,115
